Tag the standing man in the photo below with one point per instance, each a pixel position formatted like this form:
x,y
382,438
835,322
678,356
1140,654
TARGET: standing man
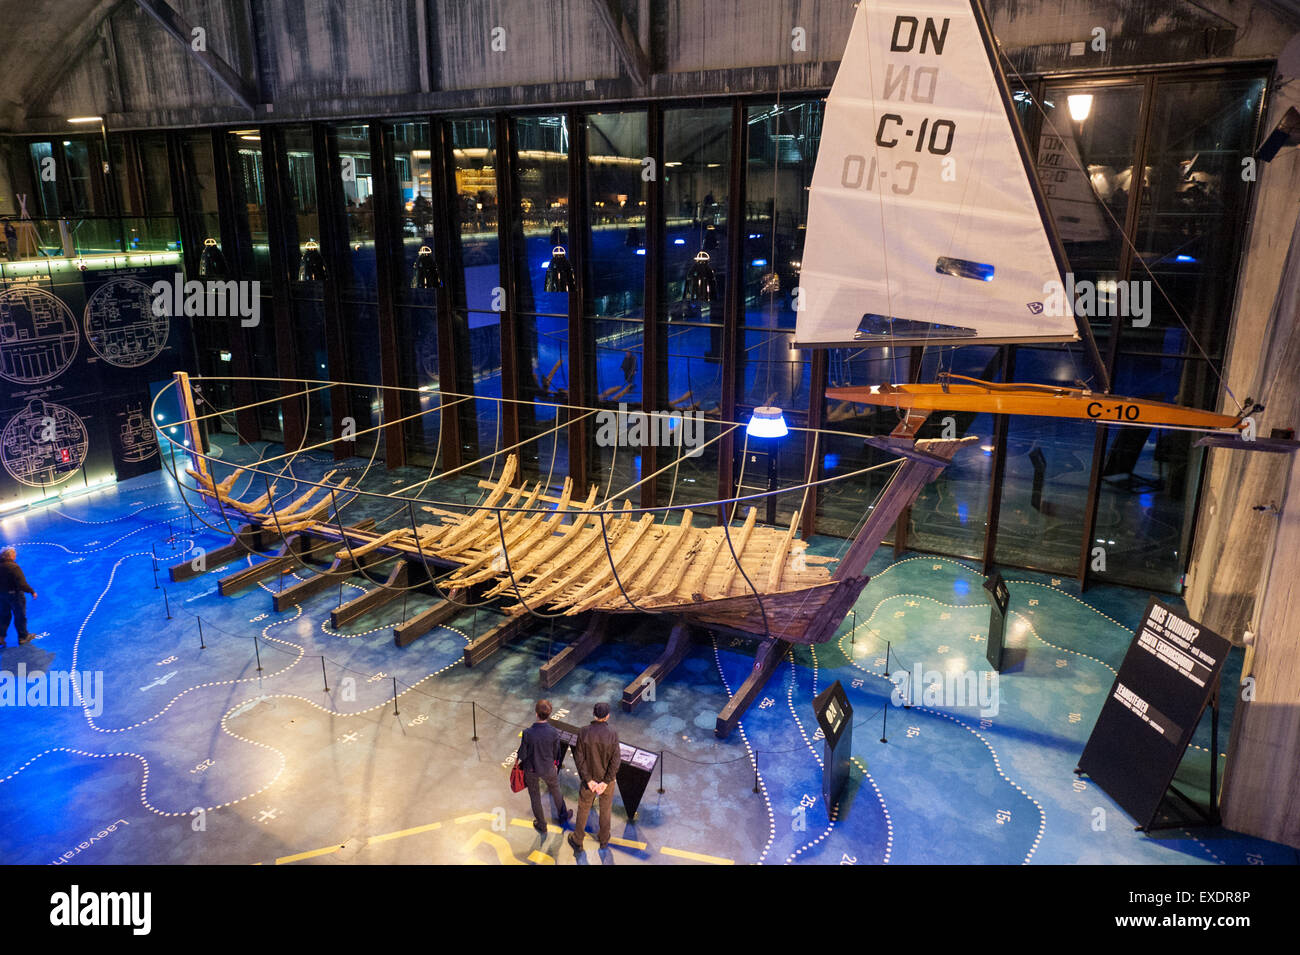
x,y
597,756
539,757
14,589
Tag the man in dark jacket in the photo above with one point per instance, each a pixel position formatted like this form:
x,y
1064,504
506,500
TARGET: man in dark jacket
x,y
539,757
14,589
597,756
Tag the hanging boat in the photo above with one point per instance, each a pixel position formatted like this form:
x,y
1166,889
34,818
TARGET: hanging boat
x,y
927,226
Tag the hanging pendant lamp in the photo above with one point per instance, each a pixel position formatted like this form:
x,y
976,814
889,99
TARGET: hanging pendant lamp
x,y
311,267
701,283
559,273
212,264
425,274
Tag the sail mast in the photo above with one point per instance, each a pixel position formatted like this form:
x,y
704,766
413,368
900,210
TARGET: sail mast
x,y
1035,187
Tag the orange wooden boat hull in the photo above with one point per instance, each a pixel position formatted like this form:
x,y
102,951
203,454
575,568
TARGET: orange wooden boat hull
x,y
1039,400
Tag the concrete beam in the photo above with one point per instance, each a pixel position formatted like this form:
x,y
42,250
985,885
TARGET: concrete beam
x,y
182,30
625,42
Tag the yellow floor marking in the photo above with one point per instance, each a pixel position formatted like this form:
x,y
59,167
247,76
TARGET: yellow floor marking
x,y
538,857
475,816
405,832
696,856
505,855
526,824
307,855
628,843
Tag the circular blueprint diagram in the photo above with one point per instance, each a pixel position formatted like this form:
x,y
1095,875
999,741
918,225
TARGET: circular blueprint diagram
x,y
43,444
121,325
38,335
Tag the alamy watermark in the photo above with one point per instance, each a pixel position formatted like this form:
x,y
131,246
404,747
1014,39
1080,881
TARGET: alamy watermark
x,y
952,689
661,429
210,299
53,688
1107,298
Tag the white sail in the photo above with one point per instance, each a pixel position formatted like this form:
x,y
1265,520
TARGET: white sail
x,y
922,224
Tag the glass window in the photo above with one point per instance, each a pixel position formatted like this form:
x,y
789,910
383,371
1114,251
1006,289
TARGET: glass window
x,y
782,150
616,144
548,263
474,160
1048,468
697,154
1086,150
1150,478
417,307
1193,214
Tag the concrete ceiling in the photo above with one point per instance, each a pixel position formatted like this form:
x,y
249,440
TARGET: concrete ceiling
x,y
36,51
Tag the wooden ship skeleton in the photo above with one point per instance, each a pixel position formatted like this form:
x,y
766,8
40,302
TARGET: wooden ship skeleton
x,y
537,555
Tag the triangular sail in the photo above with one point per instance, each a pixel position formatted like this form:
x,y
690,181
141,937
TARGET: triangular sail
x,y
923,226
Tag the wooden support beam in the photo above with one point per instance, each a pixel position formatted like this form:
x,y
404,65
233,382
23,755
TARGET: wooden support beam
x,y
409,631
769,656
296,593
289,553
560,665
372,599
679,644
479,649
248,539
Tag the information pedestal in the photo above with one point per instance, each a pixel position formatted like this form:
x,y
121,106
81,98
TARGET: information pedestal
x,y
634,770
999,598
835,716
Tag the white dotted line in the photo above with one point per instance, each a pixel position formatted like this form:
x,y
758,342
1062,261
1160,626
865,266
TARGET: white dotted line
x,y
997,764
889,822
1028,623
1066,593
762,784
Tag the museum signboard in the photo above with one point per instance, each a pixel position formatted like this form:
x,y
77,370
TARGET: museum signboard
x,y
1168,676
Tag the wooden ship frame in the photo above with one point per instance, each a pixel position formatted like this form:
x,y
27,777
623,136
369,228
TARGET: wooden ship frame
x,y
539,553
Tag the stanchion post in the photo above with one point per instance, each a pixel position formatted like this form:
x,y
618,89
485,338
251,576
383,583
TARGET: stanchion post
x,y
884,723
756,789
886,659
155,575
167,604
258,651
473,715
202,645
661,772
394,696
325,676
853,634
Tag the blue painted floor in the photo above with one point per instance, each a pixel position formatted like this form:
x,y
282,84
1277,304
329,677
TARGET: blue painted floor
x,y
191,754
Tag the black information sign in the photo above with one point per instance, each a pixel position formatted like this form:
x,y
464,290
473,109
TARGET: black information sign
x,y
1168,676
634,769
835,716
999,598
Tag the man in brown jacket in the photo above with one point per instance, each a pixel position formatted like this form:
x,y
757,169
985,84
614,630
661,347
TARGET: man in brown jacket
x,y
597,756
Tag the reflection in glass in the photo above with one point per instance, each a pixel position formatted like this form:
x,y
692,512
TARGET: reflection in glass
x,y
541,231
697,151
616,144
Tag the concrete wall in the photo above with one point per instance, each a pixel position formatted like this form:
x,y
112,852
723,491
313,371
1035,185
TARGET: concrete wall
x,y
303,59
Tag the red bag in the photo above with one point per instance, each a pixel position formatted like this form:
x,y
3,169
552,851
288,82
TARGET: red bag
x,y
517,783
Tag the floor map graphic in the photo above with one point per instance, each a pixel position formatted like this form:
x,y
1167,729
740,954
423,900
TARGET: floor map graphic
x,y
38,335
121,325
43,444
